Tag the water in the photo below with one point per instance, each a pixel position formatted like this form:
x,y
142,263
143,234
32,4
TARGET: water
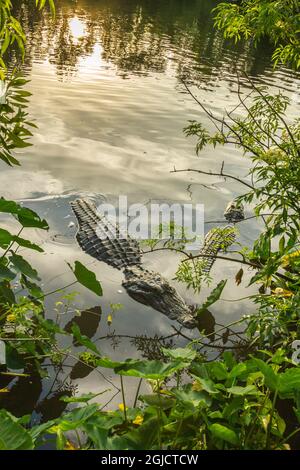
x,y
108,96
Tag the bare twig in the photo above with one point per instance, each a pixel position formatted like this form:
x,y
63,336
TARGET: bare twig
x,y
211,173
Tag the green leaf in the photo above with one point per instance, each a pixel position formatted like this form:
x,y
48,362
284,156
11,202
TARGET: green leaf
x,y
158,401
82,339
33,288
225,434
213,297
237,370
289,383
191,398
27,244
6,238
219,370
26,217
13,359
148,369
105,420
12,435
21,265
248,390
6,294
207,385
184,354
136,368
6,274
37,431
144,436
98,435
87,278
82,398
75,418
271,379
101,362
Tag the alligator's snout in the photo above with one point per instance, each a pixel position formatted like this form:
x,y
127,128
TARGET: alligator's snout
x,y
150,288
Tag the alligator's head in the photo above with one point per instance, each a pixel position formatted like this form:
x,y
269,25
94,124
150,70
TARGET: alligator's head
x,y
234,212
150,288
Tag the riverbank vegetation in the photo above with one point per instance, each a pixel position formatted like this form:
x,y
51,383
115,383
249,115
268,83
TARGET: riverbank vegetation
x,y
247,397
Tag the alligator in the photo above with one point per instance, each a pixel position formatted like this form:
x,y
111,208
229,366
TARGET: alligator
x,y
218,239
98,237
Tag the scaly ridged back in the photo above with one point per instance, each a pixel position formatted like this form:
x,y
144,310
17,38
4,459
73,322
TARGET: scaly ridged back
x,y
216,240
100,239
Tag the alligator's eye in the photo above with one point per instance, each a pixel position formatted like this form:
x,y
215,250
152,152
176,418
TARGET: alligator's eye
x,y
168,288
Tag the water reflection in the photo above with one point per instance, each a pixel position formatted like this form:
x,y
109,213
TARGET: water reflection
x,y
77,29
137,37
103,136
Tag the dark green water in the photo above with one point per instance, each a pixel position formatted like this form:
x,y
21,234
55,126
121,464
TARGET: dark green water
x,y
106,78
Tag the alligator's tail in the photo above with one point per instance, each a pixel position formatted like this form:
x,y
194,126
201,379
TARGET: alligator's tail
x,y
100,239
216,240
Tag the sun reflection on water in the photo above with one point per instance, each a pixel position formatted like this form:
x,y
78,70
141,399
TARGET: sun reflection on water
x,y
77,28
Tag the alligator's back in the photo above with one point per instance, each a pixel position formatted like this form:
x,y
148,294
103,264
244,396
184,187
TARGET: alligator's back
x,y
216,240
100,239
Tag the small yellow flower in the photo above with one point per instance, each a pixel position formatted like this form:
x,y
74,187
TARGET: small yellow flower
x,y
121,407
109,319
4,390
138,420
11,318
197,387
282,292
291,257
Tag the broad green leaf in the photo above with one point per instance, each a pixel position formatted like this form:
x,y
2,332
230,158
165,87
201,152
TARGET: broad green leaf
x,y
289,382
27,244
33,288
104,420
219,370
6,294
74,418
237,370
144,436
222,432
207,385
82,398
158,401
5,238
82,339
21,265
191,398
248,390
98,435
13,358
229,359
12,435
148,369
26,217
271,379
37,431
103,362
6,274
213,297
87,278
136,368
184,354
